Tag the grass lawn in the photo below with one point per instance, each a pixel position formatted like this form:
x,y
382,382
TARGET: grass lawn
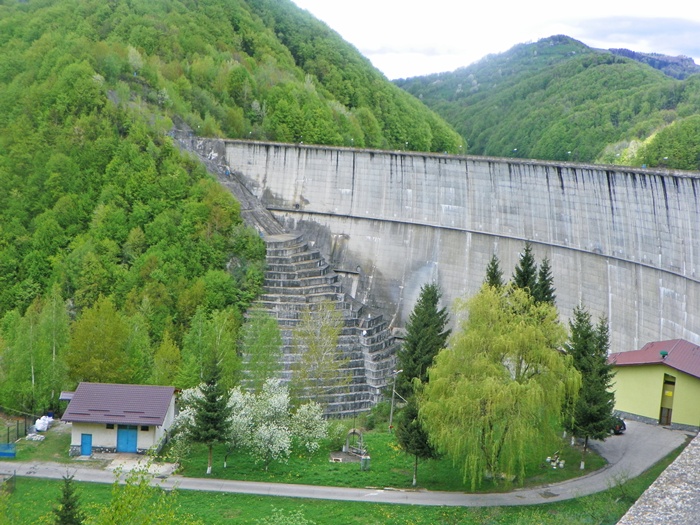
x,y
54,447
389,467
35,498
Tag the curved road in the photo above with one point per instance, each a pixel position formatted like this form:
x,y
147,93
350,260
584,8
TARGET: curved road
x,y
628,456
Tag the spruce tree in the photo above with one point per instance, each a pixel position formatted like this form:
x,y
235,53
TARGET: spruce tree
x,y
588,346
412,437
525,275
544,288
494,275
68,510
211,417
425,337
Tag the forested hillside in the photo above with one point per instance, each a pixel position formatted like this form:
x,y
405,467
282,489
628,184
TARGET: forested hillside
x,y
558,99
120,259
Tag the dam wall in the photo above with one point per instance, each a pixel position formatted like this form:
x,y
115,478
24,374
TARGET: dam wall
x,y
625,242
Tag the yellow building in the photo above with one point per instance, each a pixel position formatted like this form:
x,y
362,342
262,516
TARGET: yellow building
x,y
660,383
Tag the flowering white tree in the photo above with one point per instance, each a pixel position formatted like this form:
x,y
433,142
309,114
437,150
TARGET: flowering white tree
x,y
261,423
271,437
242,425
308,426
271,442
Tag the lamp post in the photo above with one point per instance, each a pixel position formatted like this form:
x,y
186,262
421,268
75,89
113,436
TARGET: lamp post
x,y
393,395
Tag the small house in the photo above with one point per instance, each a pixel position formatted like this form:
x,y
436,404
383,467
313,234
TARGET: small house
x,y
119,418
659,383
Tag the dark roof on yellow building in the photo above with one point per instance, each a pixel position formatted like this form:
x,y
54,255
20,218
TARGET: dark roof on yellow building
x,y
678,354
119,404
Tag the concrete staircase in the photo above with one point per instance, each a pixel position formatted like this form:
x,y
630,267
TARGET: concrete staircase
x,y
298,279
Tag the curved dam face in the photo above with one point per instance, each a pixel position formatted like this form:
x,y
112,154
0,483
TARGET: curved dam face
x,y
624,242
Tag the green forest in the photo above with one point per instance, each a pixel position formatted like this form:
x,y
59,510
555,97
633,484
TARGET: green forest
x,y
558,99
121,259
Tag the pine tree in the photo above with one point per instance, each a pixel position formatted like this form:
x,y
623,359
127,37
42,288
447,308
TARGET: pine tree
x,y
525,275
588,346
412,437
425,337
68,510
544,289
494,275
211,418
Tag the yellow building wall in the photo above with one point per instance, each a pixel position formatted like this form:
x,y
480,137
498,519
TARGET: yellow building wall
x,y
638,390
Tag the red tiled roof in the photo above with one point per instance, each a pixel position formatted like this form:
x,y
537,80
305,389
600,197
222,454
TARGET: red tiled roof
x,y
120,404
681,355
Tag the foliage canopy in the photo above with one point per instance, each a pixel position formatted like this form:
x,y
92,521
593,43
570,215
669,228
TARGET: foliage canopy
x,y
496,393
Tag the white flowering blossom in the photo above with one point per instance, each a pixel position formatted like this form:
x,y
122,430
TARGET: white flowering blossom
x,y
184,420
272,403
260,423
308,426
271,442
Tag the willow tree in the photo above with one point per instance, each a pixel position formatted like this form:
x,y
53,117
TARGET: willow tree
x,y
496,393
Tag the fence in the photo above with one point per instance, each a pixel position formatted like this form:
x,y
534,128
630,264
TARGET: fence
x,y
13,432
7,482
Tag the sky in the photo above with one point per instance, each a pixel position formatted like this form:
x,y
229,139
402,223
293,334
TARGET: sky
x,y
405,38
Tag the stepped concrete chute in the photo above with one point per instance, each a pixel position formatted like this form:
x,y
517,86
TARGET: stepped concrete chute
x,y
298,279
624,241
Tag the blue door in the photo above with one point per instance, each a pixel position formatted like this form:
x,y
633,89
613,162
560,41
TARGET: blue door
x,y
126,438
85,444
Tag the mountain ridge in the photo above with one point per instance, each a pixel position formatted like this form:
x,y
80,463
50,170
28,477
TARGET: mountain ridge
x,y
558,99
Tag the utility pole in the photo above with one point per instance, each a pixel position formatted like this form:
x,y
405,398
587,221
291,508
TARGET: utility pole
x,y
393,395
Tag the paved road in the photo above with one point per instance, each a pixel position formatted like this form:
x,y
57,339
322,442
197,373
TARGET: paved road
x,y
628,456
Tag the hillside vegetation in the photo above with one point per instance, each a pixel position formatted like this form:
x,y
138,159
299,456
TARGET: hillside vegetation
x,y
120,259
558,99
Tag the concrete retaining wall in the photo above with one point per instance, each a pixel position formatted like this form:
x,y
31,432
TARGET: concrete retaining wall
x,y
626,242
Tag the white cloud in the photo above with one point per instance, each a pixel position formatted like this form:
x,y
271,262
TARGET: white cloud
x,y
406,38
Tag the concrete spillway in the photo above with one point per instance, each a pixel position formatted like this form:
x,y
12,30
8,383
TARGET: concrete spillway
x,y
625,242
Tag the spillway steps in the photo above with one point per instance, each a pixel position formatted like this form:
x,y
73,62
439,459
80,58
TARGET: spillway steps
x,y
297,281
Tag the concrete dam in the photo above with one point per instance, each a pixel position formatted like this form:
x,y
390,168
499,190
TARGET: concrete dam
x,y
625,242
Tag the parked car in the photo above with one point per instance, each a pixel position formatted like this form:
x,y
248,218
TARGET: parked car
x,y
618,425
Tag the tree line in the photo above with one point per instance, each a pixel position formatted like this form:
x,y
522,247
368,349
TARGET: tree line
x,y
261,70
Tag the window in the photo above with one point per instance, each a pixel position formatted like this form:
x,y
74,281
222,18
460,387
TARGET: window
x,y
110,426
144,428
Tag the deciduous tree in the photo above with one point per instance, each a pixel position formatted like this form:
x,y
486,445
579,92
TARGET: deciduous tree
x,y
166,362
261,347
319,372
135,502
495,394
97,349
